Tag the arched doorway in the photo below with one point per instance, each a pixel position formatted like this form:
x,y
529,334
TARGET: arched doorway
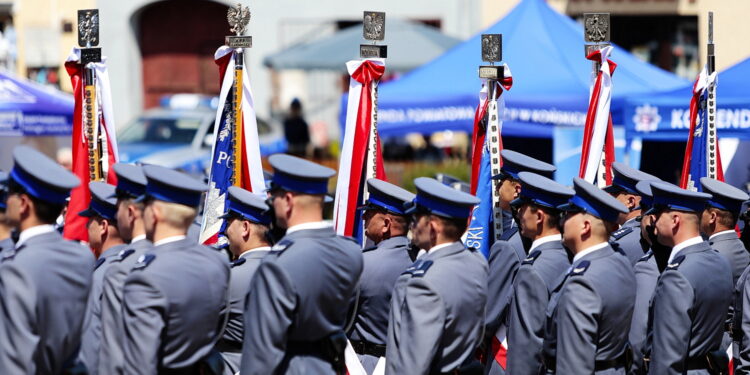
x,y
177,39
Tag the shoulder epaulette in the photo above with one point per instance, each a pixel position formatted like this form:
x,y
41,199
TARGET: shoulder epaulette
x,y
143,261
675,263
282,245
419,268
646,257
238,262
99,262
371,248
622,232
508,234
580,268
124,254
532,257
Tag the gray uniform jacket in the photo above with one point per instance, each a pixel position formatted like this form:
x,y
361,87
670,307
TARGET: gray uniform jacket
x,y
628,238
113,332
646,275
531,291
589,317
6,244
688,310
741,325
382,266
299,295
504,261
730,246
44,285
230,344
437,312
92,324
171,304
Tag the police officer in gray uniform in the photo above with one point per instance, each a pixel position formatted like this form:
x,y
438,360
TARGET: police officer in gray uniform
x,y
173,298
538,219
692,297
247,218
386,224
104,239
506,255
45,280
6,242
438,303
718,221
646,274
131,183
628,237
588,317
296,310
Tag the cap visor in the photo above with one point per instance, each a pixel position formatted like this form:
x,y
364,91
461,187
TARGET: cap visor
x,y
650,211
517,202
568,207
226,215
87,213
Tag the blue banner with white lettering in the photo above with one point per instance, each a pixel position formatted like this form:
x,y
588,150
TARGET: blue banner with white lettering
x,y
480,235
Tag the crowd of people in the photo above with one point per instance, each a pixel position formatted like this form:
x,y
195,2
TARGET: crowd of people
x,y
640,277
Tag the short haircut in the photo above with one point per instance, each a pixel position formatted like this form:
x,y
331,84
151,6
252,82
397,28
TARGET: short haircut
x,y
45,212
724,218
177,215
552,216
453,228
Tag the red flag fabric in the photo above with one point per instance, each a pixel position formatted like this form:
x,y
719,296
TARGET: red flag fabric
x,y
75,226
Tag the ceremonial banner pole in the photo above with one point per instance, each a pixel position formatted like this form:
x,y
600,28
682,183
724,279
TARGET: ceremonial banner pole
x,y
94,142
702,156
236,157
486,225
360,154
597,148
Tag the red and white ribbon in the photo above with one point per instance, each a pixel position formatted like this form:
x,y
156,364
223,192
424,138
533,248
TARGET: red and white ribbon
x,y
75,226
360,143
252,170
598,128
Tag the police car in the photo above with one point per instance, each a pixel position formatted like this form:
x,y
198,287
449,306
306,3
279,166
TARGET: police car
x,y
180,134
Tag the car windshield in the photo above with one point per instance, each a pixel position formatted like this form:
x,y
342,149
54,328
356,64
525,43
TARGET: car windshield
x,y
160,130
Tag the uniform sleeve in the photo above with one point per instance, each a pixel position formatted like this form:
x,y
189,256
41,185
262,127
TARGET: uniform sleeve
x,y
577,327
413,343
743,367
111,350
143,309
269,309
92,329
670,336
526,322
503,265
18,337
646,275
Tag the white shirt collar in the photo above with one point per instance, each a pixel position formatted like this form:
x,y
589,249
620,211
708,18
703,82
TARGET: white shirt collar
x,y
689,242
313,225
628,221
589,250
261,248
421,253
440,247
545,239
169,239
722,232
138,238
33,232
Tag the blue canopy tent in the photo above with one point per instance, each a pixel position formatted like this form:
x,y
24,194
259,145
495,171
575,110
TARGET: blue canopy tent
x,y
28,109
665,116
544,50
